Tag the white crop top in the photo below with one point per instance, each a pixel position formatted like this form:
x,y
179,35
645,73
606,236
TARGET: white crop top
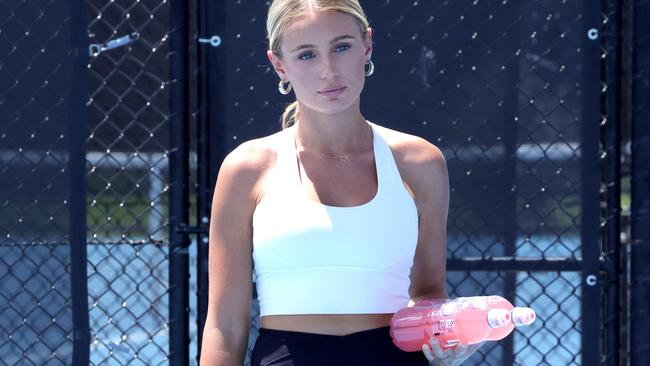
x,y
311,258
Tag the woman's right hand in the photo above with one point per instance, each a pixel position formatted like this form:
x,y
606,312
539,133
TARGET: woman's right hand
x,y
448,357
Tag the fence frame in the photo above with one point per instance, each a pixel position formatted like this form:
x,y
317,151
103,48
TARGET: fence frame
x,y
76,140
179,203
638,319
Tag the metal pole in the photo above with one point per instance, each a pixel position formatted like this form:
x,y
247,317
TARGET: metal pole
x,y
510,161
76,140
612,177
640,247
625,124
211,148
179,338
590,181
203,172
510,207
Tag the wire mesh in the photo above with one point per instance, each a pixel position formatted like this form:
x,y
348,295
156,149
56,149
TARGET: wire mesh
x,y
128,114
127,182
499,93
35,69
556,298
497,85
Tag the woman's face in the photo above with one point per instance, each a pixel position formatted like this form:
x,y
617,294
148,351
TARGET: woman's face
x,y
321,52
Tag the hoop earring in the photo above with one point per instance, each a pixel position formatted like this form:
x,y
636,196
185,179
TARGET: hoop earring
x,y
371,69
284,90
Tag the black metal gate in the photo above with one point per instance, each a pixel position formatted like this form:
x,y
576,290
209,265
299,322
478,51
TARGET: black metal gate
x,y
115,116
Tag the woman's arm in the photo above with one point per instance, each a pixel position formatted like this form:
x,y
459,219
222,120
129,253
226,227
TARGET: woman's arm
x,y
428,179
225,336
425,172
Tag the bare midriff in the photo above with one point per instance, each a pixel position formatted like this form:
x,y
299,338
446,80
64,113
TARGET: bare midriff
x,y
333,324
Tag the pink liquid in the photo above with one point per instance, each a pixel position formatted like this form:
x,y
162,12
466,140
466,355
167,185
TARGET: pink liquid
x,y
452,322
498,302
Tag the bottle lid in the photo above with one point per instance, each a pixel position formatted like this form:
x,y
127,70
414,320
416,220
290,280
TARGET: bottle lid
x,y
523,316
498,318
449,308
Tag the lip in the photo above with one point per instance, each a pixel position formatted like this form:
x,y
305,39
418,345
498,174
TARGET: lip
x,y
333,92
332,89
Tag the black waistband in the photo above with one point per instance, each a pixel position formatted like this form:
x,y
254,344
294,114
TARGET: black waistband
x,y
368,347
317,337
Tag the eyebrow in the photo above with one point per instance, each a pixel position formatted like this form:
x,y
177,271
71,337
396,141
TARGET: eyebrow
x,y
345,36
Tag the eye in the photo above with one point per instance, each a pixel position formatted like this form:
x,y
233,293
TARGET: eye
x,y
344,46
305,54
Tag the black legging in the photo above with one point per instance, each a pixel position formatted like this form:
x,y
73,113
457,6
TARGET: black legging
x,y
370,347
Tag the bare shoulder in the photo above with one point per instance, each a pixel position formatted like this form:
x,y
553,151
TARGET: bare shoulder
x,y
253,155
248,164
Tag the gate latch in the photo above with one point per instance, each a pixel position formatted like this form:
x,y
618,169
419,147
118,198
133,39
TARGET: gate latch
x,y
96,48
214,41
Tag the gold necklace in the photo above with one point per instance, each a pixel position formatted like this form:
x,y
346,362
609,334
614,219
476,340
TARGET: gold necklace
x,y
342,158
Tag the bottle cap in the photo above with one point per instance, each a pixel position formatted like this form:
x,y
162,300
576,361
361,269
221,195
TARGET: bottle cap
x,y
449,308
523,316
498,318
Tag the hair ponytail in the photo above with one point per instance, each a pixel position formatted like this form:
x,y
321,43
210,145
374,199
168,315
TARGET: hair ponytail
x,y
290,115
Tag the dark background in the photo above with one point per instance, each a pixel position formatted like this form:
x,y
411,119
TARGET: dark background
x,y
108,161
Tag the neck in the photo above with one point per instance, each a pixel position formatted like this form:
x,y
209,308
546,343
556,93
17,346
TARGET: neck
x,y
333,135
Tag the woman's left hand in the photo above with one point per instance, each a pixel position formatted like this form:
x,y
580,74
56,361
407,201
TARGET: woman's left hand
x,y
448,357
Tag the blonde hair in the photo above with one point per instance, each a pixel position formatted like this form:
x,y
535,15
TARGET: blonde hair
x,y
281,12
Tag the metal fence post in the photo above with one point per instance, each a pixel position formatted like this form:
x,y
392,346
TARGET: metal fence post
x,y
76,141
590,213
179,198
509,182
625,113
640,248
611,157
204,178
211,139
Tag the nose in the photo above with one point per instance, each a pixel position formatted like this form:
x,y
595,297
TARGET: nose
x,y
328,71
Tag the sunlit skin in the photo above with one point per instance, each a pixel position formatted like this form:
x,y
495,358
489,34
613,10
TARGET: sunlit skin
x,y
331,125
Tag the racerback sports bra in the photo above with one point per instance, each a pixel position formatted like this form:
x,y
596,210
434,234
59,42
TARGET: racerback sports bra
x,y
311,258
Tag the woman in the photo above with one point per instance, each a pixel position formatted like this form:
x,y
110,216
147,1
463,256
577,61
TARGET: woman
x,y
343,219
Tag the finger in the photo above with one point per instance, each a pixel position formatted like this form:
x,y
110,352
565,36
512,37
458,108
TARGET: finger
x,y
427,352
437,350
458,353
461,349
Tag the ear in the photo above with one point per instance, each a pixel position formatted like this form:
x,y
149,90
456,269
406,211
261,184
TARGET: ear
x,y
368,43
277,65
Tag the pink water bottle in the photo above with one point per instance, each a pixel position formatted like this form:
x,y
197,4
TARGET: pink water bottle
x,y
467,320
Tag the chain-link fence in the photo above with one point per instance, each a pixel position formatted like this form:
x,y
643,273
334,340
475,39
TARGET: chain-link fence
x,y
35,292
128,183
515,94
